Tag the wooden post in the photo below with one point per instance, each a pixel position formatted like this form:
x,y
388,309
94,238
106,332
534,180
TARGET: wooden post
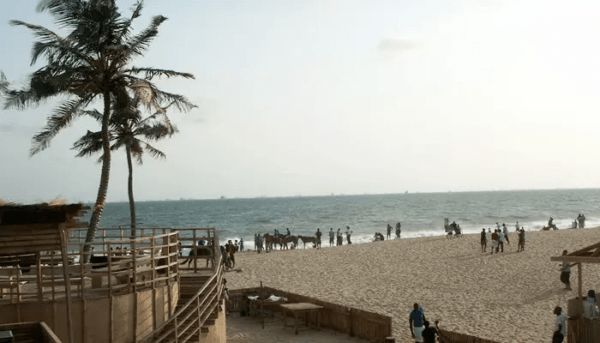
x,y
153,266
110,297
132,244
194,252
38,262
65,262
579,280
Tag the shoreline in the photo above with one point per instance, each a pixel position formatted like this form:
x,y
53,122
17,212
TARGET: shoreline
x,y
471,292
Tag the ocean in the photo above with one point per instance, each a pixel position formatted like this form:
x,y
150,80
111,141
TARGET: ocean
x,y
421,214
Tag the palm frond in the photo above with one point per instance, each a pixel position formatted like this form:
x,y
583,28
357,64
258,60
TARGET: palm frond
x,y
136,12
88,144
62,117
150,73
138,43
154,152
3,83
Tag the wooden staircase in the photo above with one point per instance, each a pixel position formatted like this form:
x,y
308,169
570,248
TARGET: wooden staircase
x,y
200,297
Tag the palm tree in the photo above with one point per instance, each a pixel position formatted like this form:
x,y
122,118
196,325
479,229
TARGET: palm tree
x,y
129,129
91,63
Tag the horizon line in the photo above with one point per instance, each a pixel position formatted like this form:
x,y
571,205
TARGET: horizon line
x,y
224,197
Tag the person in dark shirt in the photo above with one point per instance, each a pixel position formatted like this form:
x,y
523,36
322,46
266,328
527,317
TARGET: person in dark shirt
x,y
415,322
430,333
318,235
483,240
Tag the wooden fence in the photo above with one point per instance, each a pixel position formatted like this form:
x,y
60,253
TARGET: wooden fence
x,y
352,321
455,337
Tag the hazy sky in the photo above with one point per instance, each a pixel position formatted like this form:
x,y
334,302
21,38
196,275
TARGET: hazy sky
x,y
318,97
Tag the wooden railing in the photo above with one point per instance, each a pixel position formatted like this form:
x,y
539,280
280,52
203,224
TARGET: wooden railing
x,y
455,337
117,266
188,321
354,322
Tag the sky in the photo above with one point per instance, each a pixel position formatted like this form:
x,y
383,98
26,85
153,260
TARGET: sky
x,y
306,97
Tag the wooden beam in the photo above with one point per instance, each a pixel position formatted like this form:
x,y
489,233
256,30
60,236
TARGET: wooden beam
x,y
576,259
590,247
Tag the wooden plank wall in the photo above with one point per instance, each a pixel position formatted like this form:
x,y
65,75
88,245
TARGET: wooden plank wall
x,y
352,321
455,337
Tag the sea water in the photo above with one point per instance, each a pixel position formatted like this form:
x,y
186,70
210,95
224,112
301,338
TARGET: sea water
x,y
421,214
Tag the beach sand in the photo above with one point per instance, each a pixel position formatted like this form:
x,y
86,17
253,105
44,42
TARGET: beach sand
x,y
246,329
506,297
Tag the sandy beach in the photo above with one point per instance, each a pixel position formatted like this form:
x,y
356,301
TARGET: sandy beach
x,y
506,297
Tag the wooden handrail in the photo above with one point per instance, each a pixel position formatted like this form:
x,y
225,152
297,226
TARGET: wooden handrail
x,y
195,311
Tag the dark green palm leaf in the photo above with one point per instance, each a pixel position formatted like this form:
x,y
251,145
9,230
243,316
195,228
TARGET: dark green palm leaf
x,y
62,117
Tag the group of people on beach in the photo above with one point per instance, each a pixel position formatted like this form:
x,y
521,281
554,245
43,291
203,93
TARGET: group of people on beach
x,y
339,236
379,236
579,222
499,237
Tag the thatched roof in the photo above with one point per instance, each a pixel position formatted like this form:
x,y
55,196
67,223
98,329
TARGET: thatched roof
x,y
12,214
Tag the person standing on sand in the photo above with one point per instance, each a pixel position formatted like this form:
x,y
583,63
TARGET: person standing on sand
x,y
429,333
348,234
483,240
494,242
389,231
560,326
398,230
517,226
521,244
241,244
501,240
565,272
331,234
339,237
416,322
318,235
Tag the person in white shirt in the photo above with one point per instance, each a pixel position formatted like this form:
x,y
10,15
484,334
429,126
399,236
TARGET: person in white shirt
x,y
560,326
590,307
501,239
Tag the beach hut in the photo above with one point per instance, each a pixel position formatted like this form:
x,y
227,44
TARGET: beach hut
x,y
26,232
580,329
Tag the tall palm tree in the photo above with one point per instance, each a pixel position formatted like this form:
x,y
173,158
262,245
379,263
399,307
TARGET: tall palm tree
x,y
88,65
129,129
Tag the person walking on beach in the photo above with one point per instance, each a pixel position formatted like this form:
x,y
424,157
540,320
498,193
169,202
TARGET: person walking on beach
x,y
389,231
241,244
348,234
565,272
331,234
517,226
505,232
339,237
416,322
560,326
318,235
483,240
398,230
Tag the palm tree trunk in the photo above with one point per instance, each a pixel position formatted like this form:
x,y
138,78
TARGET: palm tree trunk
x,y
130,191
104,177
